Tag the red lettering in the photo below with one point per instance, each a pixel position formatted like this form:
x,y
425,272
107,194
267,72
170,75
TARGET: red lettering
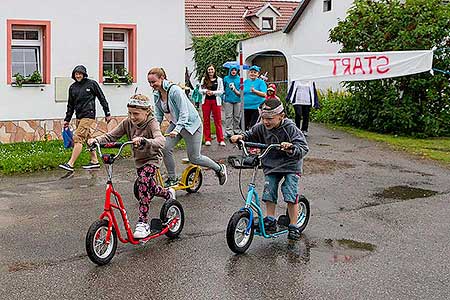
x,y
358,65
386,60
346,63
334,60
370,59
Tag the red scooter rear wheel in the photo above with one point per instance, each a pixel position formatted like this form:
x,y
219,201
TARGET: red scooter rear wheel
x,y
170,210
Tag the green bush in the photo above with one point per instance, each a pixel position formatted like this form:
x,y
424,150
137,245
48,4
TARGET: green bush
x,y
417,105
215,50
334,108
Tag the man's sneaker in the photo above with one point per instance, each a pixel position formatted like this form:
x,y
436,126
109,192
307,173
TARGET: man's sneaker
x,y
222,143
294,232
170,182
305,133
91,165
142,230
270,224
208,143
222,174
172,193
66,167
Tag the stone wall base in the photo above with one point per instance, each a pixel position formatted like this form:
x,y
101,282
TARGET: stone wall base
x,y
44,130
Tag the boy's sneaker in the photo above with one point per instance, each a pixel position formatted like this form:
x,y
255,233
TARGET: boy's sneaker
x,y
91,165
270,224
222,143
170,182
172,193
207,143
142,230
66,167
294,232
222,174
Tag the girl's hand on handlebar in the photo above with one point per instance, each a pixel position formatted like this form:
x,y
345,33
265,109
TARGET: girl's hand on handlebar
x,y
137,141
236,138
285,146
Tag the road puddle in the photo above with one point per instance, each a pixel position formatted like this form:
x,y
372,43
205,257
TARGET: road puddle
x,y
306,250
398,193
404,192
345,250
324,166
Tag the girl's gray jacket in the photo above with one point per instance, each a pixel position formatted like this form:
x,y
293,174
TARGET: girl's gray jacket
x,y
278,161
186,116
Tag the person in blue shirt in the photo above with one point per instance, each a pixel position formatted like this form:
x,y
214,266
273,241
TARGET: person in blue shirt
x,y
254,95
232,102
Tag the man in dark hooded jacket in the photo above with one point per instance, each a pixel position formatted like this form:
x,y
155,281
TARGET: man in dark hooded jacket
x,y
82,94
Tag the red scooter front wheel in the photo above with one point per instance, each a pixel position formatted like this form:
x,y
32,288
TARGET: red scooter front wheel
x,y
98,249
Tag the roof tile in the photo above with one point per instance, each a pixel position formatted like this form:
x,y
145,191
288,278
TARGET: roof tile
x,y
206,18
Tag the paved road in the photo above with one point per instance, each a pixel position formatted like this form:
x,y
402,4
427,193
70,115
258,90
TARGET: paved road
x,y
367,239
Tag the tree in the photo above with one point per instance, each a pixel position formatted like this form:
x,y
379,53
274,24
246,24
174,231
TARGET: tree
x,y
416,104
215,50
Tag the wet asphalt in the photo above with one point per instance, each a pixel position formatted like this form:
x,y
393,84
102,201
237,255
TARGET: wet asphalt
x,y
379,229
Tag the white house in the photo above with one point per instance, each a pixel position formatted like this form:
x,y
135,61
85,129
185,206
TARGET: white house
x,y
54,36
307,32
253,17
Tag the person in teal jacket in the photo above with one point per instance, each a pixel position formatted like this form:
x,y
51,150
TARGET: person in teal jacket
x,y
184,123
232,102
254,95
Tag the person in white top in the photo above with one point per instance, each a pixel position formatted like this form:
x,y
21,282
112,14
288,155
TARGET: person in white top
x,y
302,95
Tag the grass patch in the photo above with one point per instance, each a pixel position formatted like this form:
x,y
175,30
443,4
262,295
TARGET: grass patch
x,y
434,148
43,155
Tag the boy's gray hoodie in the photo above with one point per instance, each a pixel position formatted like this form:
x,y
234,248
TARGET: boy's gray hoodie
x,y
277,161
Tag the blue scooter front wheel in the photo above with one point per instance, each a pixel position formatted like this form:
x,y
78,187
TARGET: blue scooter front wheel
x,y
238,237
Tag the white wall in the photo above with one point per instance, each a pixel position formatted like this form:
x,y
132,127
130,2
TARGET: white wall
x,y
75,40
189,56
309,36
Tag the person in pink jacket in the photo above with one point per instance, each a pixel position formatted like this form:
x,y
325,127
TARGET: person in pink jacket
x,y
143,129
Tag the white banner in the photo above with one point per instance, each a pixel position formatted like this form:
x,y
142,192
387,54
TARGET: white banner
x,y
360,65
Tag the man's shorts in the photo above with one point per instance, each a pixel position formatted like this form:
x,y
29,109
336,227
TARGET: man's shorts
x,y
84,131
289,188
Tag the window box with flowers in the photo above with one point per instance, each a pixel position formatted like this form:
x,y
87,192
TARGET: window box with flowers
x,y
117,78
34,79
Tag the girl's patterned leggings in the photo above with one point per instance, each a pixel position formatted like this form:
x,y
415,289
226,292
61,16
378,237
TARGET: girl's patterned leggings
x,y
148,188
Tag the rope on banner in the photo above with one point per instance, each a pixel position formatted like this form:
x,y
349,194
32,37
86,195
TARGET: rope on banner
x,y
276,82
441,71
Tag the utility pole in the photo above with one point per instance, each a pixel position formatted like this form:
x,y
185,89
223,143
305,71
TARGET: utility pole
x,y
241,75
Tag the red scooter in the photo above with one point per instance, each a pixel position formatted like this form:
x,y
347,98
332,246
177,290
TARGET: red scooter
x,y
101,238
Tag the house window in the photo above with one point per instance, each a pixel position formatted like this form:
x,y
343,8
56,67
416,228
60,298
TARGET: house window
x,y
267,23
28,49
117,50
326,5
